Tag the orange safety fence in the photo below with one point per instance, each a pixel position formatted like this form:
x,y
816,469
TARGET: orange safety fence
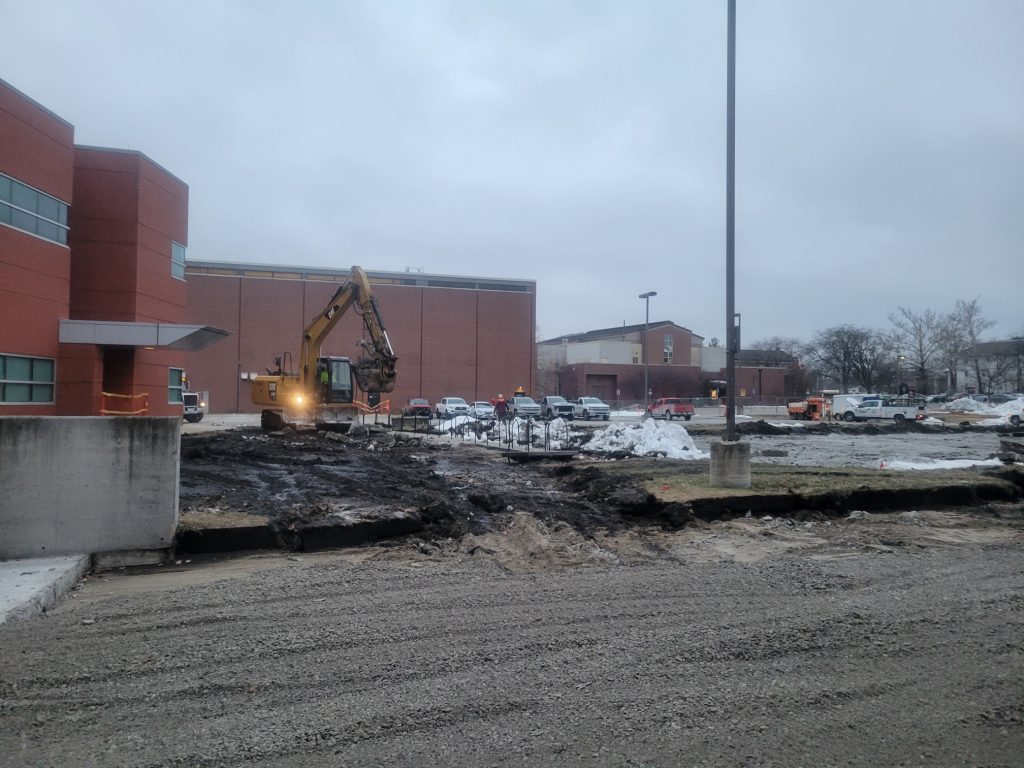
x,y
114,404
384,406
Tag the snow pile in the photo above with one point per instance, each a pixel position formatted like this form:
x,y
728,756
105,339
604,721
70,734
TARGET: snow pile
x,y
652,438
1000,414
968,405
942,464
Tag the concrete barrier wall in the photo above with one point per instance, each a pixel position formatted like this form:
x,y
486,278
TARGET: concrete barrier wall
x,y
84,484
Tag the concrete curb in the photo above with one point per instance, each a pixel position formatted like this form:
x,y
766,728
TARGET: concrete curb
x,y
33,586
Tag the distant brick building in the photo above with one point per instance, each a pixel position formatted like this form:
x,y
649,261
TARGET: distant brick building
x,y
465,336
610,363
92,291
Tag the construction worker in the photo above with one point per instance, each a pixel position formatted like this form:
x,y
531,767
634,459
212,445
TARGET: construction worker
x,y
325,384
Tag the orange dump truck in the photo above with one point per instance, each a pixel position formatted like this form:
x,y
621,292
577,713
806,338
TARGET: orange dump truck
x,y
813,408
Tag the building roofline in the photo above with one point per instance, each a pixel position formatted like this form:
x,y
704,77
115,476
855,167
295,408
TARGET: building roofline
x,y
135,152
241,266
35,103
618,330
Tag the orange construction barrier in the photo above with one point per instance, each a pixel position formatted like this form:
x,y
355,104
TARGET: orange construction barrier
x,y
136,405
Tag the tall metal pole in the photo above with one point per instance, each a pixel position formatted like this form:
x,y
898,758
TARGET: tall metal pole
x,y
730,230
647,363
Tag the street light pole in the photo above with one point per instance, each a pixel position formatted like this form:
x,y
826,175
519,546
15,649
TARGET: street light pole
x,y
647,363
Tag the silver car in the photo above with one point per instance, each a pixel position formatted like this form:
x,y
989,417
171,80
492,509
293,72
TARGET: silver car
x,y
523,406
481,409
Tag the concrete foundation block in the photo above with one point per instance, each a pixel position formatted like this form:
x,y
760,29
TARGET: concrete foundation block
x,y
87,484
730,464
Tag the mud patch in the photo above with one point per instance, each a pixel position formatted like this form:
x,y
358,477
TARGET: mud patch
x,y
421,497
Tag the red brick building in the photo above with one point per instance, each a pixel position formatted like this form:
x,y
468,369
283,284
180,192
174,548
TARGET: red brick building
x,y
100,313
610,363
92,260
465,336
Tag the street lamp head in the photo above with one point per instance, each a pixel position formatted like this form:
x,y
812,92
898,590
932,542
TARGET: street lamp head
x,y
647,295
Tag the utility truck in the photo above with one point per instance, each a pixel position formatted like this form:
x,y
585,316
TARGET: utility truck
x,y
896,408
322,390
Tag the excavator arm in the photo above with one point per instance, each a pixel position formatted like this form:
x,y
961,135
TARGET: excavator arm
x,y
375,369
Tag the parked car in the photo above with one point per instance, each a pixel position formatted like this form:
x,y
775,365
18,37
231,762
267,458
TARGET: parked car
x,y
670,408
450,407
554,406
481,409
417,406
999,399
588,408
521,405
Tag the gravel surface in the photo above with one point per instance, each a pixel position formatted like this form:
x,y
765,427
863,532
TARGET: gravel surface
x,y
877,658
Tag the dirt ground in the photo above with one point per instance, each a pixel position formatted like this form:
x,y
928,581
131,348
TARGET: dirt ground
x,y
468,499
542,615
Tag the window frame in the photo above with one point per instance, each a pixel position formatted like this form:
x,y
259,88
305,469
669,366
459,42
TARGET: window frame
x,y
33,382
179,387
178,266
29,219
668,349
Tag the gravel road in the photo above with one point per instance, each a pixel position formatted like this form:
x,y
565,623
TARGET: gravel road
x,y
876,658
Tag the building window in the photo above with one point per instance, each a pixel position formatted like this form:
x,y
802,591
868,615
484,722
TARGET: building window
x,y
175,384
32,211
177,260
668,349
26,379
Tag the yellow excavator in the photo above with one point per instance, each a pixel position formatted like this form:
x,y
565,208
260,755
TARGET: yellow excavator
x,y
322,391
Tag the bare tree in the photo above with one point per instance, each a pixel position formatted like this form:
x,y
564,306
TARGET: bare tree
x,y
961,333
920,336
777,350
840,354
873,358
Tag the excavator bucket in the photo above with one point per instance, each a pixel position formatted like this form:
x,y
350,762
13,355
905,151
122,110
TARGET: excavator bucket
x,y
374,377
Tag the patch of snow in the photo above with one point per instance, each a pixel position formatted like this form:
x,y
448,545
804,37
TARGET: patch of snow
x,y
942,464
932,420
652,438
970,405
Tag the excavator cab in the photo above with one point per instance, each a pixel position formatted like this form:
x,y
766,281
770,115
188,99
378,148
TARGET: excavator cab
x,y
338,389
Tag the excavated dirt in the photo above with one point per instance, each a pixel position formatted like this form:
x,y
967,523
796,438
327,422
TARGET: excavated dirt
x,y
302,481
306,490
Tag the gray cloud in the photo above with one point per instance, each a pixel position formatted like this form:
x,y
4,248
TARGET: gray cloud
x,y
879,158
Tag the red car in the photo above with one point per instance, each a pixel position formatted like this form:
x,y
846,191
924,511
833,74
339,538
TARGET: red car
x,y
417,406
670,408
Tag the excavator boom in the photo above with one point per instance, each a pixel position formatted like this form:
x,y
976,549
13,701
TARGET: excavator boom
x,y
306,395
375,370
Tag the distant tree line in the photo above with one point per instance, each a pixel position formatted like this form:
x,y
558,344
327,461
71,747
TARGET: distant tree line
x,y
919,351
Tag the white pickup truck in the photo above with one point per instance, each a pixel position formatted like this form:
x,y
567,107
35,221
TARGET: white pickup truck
x,y
895,408
587,408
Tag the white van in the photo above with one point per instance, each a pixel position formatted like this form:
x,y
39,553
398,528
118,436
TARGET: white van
x,y
895,408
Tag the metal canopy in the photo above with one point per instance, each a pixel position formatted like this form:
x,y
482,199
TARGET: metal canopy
x,y
184,338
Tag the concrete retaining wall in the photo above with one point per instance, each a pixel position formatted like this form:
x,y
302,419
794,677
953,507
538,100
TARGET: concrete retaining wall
x,y
85,484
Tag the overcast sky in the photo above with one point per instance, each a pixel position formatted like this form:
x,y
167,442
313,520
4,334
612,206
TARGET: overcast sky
x,y
880,144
